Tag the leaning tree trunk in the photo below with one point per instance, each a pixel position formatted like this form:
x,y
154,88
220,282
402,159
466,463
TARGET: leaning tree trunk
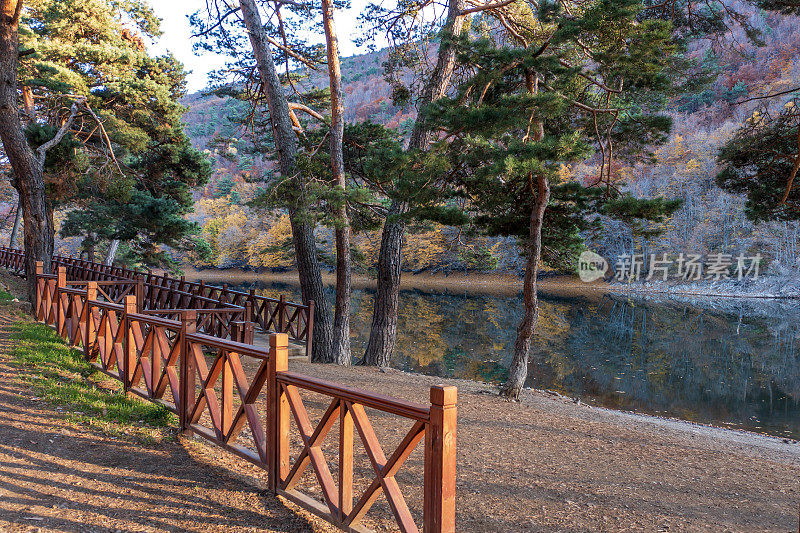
x,y
383,333
519,364
12,241
28,172
111,254
341,318
305,245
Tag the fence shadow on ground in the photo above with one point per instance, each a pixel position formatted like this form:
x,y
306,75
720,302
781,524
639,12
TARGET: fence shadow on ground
x,y
91,482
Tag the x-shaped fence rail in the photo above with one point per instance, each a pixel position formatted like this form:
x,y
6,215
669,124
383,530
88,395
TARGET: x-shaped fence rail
x,y
162,292
244,399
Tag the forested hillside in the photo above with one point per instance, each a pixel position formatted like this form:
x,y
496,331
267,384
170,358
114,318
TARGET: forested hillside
x,y
712,220
239,236
709,221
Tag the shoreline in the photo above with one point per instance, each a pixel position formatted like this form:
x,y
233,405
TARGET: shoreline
x,y
495,284
661,466
733,433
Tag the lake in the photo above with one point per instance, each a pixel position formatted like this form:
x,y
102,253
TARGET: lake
x,y
732,363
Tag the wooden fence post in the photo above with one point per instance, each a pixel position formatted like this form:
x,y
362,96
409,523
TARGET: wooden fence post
x,y
223,296
91,295
129,341
61,283
40,288
277,412
248,311
248,333
440,462
186,383
139,294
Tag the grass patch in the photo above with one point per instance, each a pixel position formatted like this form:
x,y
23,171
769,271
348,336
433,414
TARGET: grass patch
x,y
61,376
5,296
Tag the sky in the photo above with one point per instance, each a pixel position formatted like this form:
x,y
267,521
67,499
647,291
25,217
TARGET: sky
x,y
177,36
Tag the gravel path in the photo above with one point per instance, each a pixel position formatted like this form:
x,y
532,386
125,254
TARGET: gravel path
x,y
548,464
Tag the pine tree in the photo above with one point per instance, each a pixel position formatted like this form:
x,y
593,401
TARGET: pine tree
x,y
582,79
406,24
762,161
228,29
125,168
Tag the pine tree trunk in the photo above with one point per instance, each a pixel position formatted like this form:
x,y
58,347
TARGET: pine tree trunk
x,y
305,246
341,318
383,332
12,241
90,250
519,363
28,177
111,254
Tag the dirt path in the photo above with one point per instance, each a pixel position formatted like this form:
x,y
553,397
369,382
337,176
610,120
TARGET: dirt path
x,y
548,464
59,476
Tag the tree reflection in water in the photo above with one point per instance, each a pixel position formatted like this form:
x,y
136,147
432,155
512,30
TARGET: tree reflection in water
x,y
727,362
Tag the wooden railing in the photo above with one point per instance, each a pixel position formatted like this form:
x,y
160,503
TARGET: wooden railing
x,y
268,315
244,399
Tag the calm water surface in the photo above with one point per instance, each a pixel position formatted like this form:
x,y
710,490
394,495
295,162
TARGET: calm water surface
x,y
727,362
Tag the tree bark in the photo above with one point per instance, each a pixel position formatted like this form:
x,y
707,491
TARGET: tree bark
x,y
28,104
341,318
519,363
27,167
305,247
383,333
111,254
90,243
12,241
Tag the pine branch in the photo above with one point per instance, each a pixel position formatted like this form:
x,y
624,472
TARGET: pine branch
x,y
477,9
41,152
773,95
105,136
218,23
304,108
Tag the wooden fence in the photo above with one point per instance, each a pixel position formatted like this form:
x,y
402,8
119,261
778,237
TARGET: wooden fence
x,y
244,399
268,315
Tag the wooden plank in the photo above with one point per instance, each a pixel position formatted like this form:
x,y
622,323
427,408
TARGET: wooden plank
x,y
310,440
227,396
357,396
345,462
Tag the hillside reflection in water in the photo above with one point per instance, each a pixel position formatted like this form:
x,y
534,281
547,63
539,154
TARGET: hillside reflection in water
x,y
728,362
